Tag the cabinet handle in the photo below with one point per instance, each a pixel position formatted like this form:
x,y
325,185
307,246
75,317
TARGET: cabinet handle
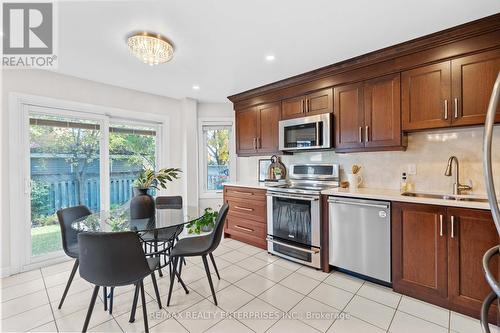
x,y
360,134
244,208
452,226
445,109
254,143
366,133
303,106
441,225
307,105
455,101
259,143
243,228
245,193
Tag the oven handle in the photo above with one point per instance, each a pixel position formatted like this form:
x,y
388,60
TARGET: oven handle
x,y
290,196
313,251
357,203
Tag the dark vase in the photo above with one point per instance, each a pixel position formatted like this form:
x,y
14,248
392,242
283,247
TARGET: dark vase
x,y
142,205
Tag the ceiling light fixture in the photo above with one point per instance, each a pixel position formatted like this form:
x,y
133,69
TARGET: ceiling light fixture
x,y
196,87
270,57
152,49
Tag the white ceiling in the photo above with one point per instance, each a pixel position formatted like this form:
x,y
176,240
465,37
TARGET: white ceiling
x,y
220,45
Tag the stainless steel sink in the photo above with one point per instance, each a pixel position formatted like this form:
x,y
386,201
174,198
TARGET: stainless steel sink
x,y
429,195
443,197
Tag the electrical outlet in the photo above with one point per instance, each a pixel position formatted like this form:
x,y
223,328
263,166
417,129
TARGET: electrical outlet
x,y
412,169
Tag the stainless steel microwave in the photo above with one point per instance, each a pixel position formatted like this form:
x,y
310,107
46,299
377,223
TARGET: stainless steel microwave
x,y
313,132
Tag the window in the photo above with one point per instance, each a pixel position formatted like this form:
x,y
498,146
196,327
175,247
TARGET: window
x,y
217,153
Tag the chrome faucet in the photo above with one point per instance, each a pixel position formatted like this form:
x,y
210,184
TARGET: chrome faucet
x,y
457,187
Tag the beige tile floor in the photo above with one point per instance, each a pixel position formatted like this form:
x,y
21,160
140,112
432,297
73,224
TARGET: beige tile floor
x,y
258,292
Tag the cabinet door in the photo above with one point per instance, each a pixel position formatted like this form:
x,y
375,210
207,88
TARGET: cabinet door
x,y
473,233
246,131
269,116
382,112
419,251
348,111
473,78
319,102
426,97
293,107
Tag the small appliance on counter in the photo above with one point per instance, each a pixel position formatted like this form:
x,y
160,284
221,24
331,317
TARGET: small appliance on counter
x,y
293,213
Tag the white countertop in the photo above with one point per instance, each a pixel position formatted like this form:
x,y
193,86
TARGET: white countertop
x,y
395,195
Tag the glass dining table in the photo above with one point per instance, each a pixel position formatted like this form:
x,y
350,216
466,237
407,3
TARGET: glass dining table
x,y
158,232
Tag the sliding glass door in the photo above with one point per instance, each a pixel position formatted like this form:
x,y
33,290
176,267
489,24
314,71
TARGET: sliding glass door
x,y
74,160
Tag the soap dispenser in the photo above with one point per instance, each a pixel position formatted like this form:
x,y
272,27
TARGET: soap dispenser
x,y
404,183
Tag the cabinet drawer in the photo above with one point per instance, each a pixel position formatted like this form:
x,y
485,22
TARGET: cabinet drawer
x,y
248,209
247,227
245,193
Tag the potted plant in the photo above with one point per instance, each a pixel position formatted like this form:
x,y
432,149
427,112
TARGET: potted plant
x,y
142,204
205,223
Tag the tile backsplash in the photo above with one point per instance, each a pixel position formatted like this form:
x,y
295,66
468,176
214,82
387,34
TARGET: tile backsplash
x,y
429,151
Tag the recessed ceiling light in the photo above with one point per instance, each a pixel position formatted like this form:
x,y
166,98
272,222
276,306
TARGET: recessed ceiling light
x,y
270,57
196,87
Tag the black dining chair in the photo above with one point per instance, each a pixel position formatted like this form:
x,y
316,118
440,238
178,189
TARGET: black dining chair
x,y
115,259
69,237
199,246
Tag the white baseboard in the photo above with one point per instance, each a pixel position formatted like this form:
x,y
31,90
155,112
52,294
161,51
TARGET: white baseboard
x,y
4,272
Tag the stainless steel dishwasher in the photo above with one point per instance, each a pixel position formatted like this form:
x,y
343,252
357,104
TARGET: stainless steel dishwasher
x,y
360,237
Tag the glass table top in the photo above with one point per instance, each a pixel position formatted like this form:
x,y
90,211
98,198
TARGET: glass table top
x,y
119,219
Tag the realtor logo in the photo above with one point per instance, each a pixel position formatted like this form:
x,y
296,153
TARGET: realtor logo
x,y
28,34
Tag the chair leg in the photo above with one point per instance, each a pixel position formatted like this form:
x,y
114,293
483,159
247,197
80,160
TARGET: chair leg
x,y
172,280
213,263
91,308
156,250
134,304
71,276
180,267
207,270
105,298
155,285
111,300
144,311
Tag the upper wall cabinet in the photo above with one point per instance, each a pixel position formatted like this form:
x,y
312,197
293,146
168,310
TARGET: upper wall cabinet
x,y
450,93
257,130
311,104
368,115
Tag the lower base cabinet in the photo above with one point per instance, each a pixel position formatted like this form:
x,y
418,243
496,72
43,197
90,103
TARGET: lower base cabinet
x,y
247,217
437,255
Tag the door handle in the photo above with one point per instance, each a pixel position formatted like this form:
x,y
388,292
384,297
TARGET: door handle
x,y
441,225
366,133
452,226
445,109
360,134
455,101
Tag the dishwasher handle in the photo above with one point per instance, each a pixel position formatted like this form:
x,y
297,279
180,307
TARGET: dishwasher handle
x,y
354,203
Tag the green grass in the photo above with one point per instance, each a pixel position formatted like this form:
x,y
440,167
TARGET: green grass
x,y
45,239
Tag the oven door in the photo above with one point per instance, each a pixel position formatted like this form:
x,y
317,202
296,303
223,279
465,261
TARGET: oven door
x,y
294,227
311,132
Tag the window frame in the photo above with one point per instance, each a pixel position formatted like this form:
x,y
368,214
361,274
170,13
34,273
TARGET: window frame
x,y
204,193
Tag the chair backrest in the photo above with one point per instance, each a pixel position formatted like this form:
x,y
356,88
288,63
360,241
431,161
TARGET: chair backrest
x,y
169,202
112,258
219,227
69,235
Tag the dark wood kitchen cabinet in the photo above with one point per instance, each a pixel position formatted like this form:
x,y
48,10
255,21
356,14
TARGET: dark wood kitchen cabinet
x,y
450,93
317,102
437,255
472,232
257,129
419,251
247,217
368,115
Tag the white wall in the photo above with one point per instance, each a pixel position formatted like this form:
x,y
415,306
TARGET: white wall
x,y
428,150
53,85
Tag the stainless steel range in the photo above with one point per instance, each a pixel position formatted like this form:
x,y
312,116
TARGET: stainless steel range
x,y
293,212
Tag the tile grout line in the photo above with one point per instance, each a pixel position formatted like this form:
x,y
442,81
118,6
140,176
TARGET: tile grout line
x,y
48,298
394,314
